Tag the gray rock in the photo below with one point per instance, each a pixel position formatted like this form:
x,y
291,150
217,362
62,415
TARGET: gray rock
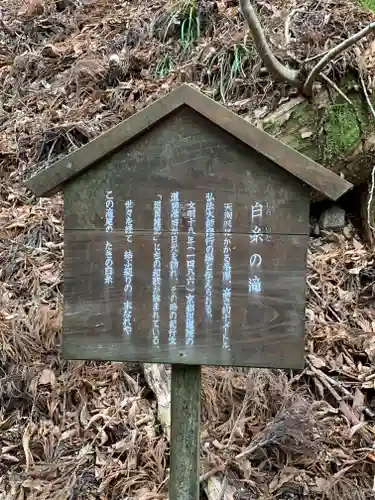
x,y
333,218
316,229
348,232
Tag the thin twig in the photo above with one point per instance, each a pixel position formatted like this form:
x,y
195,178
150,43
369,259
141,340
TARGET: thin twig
x,y
212,472
288,21
323,301
243,409
344,407
336,88
328,382
372,185
249,451
345,97
370,199
331,54
325,382
336,383
366,95
317,56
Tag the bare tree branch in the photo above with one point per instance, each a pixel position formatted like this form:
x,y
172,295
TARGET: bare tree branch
x,y
337,89
288,21
279,70
368,100
331,54
274,66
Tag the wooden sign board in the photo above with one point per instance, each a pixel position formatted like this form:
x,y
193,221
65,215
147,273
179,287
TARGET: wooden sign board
x,y
186,245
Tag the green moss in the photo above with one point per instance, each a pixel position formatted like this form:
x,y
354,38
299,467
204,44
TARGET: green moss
x,y
300,130
368,4
342,131
325,131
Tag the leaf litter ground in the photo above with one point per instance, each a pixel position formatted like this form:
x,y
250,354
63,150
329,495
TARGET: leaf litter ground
x,y
69,70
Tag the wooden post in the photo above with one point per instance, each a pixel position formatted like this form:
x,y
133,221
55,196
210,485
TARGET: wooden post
x,y
185,432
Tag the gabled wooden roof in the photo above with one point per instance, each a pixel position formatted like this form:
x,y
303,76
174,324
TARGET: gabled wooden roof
x,y
51,179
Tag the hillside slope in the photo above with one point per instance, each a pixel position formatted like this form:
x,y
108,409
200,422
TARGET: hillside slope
x,y
73,69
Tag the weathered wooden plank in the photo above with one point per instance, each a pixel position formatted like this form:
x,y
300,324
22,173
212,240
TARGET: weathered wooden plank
x,y
278,216
188,154
185,432
266,328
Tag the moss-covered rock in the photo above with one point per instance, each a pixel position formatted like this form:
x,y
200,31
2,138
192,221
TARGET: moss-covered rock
x,y
327,131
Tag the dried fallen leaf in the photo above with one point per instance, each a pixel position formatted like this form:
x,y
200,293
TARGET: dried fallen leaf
x,y
278,481
355,428
32,8
28,432
317,362
47,377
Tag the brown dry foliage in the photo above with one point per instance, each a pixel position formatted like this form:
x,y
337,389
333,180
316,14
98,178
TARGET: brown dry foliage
x,y
89,430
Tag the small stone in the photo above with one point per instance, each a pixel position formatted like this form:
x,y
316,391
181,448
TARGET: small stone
x,y
347,232
50,51
305,134
333,218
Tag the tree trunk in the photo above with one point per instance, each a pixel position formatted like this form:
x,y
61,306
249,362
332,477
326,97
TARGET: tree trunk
x,y
368,210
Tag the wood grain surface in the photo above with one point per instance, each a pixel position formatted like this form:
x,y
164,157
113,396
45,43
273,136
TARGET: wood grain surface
x,y
266,328
188,154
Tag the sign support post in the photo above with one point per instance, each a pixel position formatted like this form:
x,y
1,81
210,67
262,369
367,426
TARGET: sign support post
x,y
185,432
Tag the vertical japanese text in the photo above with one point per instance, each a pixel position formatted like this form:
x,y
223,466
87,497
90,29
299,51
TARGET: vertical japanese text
x,y
156,274
190,275
128,271
227,273
173,267
109,216
209,254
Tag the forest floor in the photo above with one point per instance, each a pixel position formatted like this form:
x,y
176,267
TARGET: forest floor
x,y
69,70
